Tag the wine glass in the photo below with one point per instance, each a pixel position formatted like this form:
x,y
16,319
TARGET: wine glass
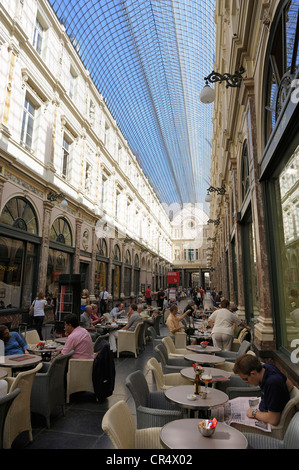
x,y
206,378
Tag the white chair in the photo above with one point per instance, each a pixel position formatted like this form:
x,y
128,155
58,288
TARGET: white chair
x,y
128,340
19,418
165,381
2,348
118,423
172,350
79,377
31,337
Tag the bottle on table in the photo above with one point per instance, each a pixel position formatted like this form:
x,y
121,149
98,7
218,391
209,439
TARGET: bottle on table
x,y
197,383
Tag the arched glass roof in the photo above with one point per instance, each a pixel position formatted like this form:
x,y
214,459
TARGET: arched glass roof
x,y
148,58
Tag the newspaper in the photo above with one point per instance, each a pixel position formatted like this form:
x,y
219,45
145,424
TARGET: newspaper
x,y
235,412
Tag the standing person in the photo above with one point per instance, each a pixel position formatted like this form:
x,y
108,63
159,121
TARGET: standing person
x,y
104,296
273,383
148,296
84,299
222,322
39,312
161,297
179,293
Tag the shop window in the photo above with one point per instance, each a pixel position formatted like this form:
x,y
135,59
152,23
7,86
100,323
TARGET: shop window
x,y
61,231
19,213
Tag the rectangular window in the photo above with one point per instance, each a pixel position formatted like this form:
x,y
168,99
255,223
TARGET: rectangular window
x,y
65,158
38,36
28,124
72,85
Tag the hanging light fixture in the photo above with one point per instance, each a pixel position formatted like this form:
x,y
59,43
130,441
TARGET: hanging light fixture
x,y
207,94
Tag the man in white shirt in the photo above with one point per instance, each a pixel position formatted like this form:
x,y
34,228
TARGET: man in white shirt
x,y
104,296
117,311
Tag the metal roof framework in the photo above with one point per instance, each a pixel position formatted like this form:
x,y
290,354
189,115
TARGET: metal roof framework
x,y
148,58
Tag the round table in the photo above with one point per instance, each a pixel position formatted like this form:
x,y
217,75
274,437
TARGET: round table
x,y
199,349
178,395
218,375
204,358
184,434
17,361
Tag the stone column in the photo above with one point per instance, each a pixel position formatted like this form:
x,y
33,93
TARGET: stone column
x,y
76,264
93,262
44,251
263,331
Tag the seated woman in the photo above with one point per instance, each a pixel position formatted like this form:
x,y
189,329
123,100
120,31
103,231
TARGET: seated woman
x,y
14,343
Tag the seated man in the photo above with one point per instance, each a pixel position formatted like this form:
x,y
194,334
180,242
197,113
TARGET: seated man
x,y
86,321
191,307
173,321
13,342
273,384
117,311
133,319
78,339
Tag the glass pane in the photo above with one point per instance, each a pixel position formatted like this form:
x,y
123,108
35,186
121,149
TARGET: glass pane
x,y
58,263
11,261
288,207
29,271
100,277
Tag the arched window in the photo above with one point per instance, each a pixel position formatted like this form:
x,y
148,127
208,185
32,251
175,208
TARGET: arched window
x,y
102,247
128,258
283,63
245,171
136,264
19,213
61,231
116,253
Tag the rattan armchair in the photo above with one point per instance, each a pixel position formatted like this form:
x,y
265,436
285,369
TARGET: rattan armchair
x,y
172,350
289,441
5,404
48,389
165,381
79,377
18,417
128,341
118,423
152,408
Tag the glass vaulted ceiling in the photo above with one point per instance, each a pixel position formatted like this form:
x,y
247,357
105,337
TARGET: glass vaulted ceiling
x,y
148,59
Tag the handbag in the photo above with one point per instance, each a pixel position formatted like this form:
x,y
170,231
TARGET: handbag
x,y
190,330
31,310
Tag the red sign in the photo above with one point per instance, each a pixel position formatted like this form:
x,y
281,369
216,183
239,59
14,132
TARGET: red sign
x,y
173,277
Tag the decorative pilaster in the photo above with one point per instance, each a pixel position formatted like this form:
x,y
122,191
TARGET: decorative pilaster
x,y
44,252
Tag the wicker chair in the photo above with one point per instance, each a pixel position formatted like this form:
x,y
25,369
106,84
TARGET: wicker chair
x,y
118,423
278,431
231,356
79,377
165,381
18,417
48,389
128,340
141,338
98,340
156,339
236,387
2,348
152,408
5,404
31,337
290,440
169,364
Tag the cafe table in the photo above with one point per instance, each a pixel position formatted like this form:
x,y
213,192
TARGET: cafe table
x,y
218,375
47,352
204,358
17,361
180,393
184,434
207,350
